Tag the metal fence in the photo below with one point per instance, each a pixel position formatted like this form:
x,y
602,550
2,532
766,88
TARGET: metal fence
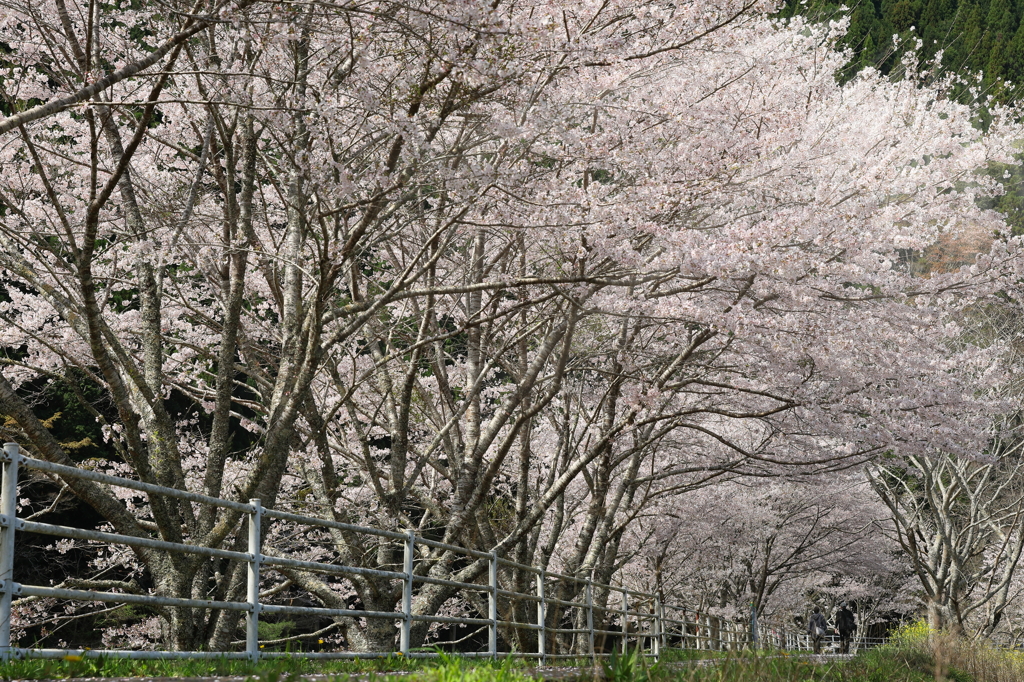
x,y
578,626
782,638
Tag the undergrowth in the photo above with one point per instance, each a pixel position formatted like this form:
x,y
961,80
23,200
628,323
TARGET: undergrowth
x,y
269,670
444,668
678,655
958,658
868,667
915,654
456,669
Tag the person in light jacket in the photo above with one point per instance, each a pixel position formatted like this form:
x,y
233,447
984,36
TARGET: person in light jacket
x,y
816,628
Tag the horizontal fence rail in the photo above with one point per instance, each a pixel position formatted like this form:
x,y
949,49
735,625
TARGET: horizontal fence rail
x,y
580,626
780,638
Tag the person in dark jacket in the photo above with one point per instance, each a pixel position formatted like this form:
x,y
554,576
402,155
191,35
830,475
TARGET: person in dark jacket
x,y
816,628
846,625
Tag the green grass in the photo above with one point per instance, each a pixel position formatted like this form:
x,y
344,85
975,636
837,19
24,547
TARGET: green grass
x,y
74,666
910,659
445,668
942,659
455,669
871,666
678,655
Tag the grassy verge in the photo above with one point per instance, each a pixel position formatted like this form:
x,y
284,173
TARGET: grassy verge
x,y
452,669
965,661
443,669
679,655
278,668
912,657
872,666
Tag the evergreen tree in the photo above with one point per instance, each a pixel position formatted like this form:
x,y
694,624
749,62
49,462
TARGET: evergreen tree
x,y
1000,26
974,36
994,68
861,37
952,42
903,16
887,33
936,18
867,57
1013,59
1001,20
972,41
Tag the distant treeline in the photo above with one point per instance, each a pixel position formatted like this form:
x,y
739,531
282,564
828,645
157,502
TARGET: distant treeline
x,y
975,36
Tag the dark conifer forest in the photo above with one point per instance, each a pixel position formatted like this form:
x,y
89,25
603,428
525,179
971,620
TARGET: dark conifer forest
x,y
974,36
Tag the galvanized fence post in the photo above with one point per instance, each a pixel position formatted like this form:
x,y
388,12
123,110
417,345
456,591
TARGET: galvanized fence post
x,y
590,619
252,616
407,567
9,509
542,617
625,620
492,606
684,632
658,626
753,625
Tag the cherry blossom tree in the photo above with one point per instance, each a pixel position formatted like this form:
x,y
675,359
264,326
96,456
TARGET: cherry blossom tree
x,y
512,274
771,546
959,522
958,518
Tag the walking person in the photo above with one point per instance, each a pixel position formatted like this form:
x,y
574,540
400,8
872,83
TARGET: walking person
x,y
816,628
846,625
